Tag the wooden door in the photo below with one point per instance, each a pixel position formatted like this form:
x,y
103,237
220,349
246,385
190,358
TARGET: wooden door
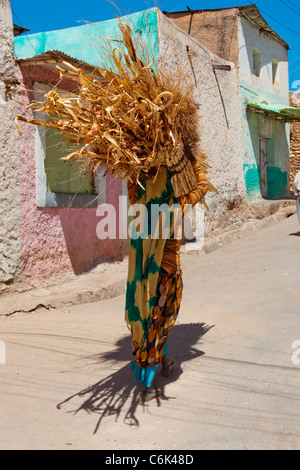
x,y
263,167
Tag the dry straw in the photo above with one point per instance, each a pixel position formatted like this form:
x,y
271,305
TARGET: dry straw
x,y
129,119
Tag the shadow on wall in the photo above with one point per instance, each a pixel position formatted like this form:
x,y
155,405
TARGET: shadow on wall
x,y
117,392
84,248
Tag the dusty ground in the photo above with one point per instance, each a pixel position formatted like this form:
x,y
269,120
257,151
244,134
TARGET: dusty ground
x,y
67,382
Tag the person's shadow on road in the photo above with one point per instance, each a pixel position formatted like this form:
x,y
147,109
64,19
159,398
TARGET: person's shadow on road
x,y
111,395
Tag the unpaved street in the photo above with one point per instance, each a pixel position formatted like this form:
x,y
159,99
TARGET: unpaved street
x,y
67,382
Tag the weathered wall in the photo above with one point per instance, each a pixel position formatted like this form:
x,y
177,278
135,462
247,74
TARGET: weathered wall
x,y
259,90
9,155
295,140
44,245
57,242
217,30
217,95
232,37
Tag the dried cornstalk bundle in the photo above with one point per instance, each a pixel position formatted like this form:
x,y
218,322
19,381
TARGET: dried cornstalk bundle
x,y
130,121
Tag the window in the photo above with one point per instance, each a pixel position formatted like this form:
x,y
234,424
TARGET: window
x,y
274,72
59,183
256,62
64,177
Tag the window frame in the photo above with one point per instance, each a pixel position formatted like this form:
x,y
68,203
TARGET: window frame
x,y
256,58
55,199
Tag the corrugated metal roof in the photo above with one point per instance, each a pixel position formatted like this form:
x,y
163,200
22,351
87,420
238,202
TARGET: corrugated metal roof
x,y
283,112
54,56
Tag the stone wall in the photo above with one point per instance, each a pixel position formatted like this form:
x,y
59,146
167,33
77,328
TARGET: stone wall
x,y
295,140
217,30
9,154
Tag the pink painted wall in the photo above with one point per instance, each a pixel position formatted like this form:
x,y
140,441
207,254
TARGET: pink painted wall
x,y
55,242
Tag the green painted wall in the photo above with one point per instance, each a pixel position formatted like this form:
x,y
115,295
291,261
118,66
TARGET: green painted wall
x,y
84,42
277,183
252,179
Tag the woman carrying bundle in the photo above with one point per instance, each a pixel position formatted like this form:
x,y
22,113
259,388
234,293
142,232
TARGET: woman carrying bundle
x,y
154,289
132,120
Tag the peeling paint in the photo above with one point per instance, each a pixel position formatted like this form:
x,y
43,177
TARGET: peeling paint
x,y
252,179
277,182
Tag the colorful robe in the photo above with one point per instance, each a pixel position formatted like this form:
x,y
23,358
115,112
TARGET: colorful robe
x,y
154,288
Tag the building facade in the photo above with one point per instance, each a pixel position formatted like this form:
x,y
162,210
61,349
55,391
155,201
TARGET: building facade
x,y
52,215
264,80
242,35
58,230
58,202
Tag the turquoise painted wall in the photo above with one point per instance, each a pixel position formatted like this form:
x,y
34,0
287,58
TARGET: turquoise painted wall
x,y
278,146
252,179
277,183
84,42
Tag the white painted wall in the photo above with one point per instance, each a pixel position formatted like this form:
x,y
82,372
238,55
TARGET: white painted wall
x,y
259,90
219,118
249,38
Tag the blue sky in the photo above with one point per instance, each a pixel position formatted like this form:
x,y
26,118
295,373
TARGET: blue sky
x,y
38,15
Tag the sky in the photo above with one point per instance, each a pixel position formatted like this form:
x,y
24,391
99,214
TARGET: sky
x,y
39,15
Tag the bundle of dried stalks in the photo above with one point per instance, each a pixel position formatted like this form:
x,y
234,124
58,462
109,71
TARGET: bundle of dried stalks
x,y
130,121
